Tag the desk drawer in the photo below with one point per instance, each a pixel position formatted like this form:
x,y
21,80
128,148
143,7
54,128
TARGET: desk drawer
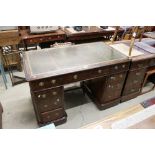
x,y
52,115
48,99
117,78
68,78
131,90
44,39
78,76
119,67
135,77
108,96
139,64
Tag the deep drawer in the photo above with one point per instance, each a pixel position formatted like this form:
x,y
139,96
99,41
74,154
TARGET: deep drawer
x,y
52,115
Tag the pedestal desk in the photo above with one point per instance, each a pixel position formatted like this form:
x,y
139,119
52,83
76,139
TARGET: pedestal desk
x,y
90,34
48,70
29,38
142,58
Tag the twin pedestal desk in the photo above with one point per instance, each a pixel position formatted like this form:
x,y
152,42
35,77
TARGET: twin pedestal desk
x,y
101,69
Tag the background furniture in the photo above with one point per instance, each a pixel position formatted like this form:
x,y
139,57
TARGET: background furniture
x,y
3,73
149,75
1,111
29,39
67,65
138,67
10,53
91,34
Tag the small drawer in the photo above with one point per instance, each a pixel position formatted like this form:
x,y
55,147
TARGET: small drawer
x,y
139,64
45,83
119,67
108,96
117,78
111,88
54,104
152,62
52,115
131,90
49,99
136,76
85,75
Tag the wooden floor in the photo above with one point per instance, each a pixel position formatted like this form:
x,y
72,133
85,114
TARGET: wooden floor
x,y
106,123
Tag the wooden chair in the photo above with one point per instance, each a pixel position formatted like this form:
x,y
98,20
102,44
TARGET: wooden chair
x,y
149,73
11,56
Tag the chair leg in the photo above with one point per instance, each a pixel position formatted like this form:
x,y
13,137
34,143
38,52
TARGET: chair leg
x,y
3,76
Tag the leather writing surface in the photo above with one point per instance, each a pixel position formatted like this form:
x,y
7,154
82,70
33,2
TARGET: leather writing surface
x,y
54,60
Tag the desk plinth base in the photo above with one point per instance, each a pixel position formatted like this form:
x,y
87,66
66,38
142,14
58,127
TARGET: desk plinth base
x,y
56,122
130,96
101,106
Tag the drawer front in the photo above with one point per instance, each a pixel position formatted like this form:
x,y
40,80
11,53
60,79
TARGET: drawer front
x,y
68,78
44,39
117,78
78,76
131,90
119,67
49,99
108,96
135,77
152,62
52,115
139,64
110,88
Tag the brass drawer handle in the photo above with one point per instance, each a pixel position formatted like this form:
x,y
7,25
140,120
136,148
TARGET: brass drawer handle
x,y
48,117
123,66
44,96
116,67
75,77
45,106
53,81
121,76
58,100
111,86
112,78
39,96
99,71
57,114
54,93
138,73
41,84
135,81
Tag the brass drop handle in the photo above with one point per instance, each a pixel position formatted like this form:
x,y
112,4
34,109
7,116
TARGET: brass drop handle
x,y
57,114
53,81
137,73
54,93
113,78
123,66
45,106
99,71
116,67
44,96
41,84
75,77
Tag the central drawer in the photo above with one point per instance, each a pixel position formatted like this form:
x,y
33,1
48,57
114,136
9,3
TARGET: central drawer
x,y
77,76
